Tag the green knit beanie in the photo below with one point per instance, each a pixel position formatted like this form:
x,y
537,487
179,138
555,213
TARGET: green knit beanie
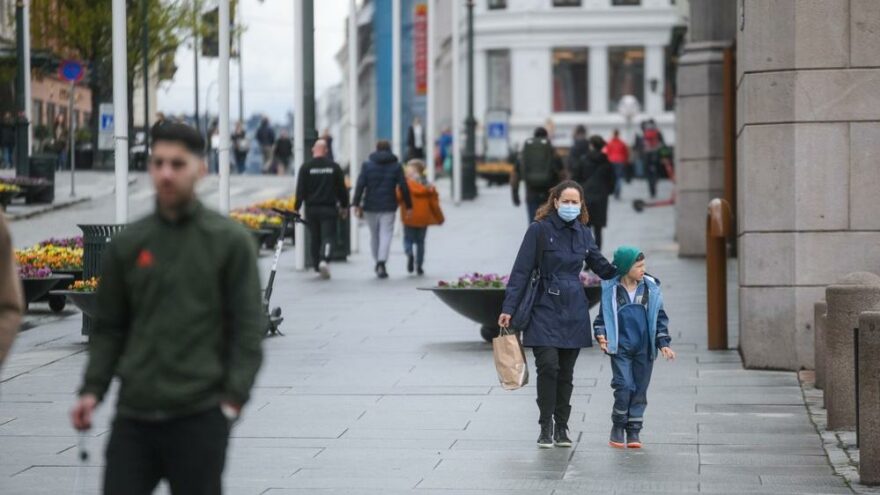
x,y
625,258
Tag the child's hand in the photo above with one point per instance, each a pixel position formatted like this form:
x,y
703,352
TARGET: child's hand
x,y
668,353
603,344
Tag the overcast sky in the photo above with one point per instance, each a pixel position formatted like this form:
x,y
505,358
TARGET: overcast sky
x,y
268,61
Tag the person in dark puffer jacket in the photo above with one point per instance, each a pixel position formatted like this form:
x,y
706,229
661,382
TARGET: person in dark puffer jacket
x,y
375,198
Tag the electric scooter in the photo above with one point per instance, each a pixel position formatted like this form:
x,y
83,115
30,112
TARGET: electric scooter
x,y
273,316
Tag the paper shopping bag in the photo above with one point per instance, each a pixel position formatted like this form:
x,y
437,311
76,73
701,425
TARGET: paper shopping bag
x,y
510,360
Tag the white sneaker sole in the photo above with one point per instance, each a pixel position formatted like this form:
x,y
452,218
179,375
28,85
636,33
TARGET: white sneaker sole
x,y
324,270
545,445
564,445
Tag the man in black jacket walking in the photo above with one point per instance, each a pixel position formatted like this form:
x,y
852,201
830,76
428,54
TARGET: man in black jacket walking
x,y
321,186
381,176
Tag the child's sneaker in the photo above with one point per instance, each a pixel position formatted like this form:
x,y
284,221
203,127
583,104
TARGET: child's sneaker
x,y
617,437
632,439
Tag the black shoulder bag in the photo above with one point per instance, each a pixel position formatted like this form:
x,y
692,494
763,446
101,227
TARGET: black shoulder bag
x,y
523,315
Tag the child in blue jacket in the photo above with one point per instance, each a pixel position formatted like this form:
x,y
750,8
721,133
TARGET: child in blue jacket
x,y
630,327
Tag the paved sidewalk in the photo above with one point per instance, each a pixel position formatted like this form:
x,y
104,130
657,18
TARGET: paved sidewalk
x,y
377,388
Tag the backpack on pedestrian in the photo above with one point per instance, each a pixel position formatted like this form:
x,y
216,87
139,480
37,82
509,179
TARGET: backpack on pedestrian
x,y
538,169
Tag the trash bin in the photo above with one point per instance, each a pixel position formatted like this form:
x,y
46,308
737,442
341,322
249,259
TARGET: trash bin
x,y
42,166
95,241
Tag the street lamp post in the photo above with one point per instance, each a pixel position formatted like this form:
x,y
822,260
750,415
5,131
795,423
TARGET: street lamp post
x,y
469,170
21,121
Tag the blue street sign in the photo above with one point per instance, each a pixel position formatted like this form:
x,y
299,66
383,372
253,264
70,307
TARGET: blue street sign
x,y
71,71
106,122
498,130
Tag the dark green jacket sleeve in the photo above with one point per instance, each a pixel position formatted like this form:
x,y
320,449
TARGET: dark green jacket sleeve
x,y
246,322
110,329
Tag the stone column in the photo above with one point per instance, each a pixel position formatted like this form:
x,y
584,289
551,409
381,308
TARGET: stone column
x,y
654,68
808,125
869,398
821,349
598,73
855,293
699,121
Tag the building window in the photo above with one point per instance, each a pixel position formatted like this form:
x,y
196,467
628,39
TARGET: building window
x,y
566,3
498,70
570,79
670,74
626,74
50,114
497,4
38,112
617,3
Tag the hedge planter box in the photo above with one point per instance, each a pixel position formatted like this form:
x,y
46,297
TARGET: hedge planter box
x,y
483,305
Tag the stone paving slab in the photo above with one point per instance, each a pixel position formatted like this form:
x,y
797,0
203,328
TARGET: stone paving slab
x,y
377,388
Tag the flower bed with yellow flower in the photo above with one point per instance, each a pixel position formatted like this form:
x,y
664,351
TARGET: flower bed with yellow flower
x,y
9,188
90,285
52,257
285,204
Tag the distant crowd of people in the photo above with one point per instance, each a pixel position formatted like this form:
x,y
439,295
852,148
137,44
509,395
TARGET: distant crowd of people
x,y
598,166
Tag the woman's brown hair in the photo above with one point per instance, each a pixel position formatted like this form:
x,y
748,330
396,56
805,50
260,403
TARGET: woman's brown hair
x,y
549,207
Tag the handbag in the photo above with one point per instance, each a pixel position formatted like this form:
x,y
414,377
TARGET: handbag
x,y
510,360
523,315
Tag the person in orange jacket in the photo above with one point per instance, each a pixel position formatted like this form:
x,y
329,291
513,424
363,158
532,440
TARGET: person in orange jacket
x,y
425,212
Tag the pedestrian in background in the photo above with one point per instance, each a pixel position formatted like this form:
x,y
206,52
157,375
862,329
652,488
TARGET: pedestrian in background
x,y
557,243
425,212
60,136
653,142
328,140
415,140
7,140
160,121
375,198
266,140
181,324
283,154
11,301
595,174
580,147
240,146
321,186
540,168
444,151
618,154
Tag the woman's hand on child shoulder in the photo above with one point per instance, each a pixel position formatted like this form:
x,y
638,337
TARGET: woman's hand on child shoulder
x,y
668,353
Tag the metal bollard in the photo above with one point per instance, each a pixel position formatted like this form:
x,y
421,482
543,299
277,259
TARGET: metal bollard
x,y
869,398
820,350
718,229
855,293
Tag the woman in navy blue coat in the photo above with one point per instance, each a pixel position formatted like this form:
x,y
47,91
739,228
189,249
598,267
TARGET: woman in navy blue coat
x,y
560,319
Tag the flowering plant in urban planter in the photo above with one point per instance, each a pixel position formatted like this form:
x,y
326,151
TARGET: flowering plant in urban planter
x,y
285,204
64,242
9,188
477,281
90,285
52,257
31,271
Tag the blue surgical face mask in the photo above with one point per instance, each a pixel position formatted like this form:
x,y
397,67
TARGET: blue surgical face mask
x,y
569,212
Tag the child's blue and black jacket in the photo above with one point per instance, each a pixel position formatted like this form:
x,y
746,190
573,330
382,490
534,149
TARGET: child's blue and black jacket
x,y
620,333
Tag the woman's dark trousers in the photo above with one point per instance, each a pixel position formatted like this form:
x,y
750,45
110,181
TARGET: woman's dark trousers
x,y
555,383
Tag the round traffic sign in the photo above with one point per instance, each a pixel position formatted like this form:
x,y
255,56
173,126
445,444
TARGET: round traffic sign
x,y
71,70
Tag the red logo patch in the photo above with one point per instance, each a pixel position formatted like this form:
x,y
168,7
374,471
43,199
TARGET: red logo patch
x,y
145,259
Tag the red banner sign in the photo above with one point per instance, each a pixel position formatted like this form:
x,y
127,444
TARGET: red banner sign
x,y
420,48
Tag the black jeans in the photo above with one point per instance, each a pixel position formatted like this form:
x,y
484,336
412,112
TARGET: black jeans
x,y
189,452
322,229
555,382
652,170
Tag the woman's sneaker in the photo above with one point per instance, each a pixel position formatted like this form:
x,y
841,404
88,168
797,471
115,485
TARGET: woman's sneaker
x,y
545,439
617,439
560,436
324,270
632,439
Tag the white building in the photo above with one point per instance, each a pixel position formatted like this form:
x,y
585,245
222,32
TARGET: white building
x,y
570,61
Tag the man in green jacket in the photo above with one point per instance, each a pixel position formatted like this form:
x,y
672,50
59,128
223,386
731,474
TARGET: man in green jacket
x,y
181,324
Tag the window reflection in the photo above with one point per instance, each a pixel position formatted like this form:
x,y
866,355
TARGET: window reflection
x,y
570,79
626,74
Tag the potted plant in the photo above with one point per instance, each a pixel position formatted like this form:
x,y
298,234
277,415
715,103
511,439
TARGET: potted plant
x,y
83,295
62,257
479,297
38,281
